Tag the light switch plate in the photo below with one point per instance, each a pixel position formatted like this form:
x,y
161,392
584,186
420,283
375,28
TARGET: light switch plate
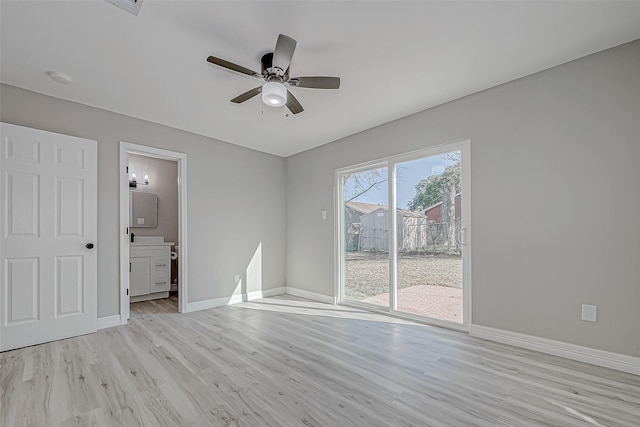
x,y
324,214
589,312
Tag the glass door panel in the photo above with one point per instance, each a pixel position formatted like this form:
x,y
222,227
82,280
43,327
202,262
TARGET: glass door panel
x,y
429,247
365,200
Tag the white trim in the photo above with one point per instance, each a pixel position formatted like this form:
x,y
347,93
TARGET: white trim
x,y
372,308
374,164
301,293
123,191
236,298
127,148
620,362
233,299
108,321
392,226
338,244
467,227
207,303
338,220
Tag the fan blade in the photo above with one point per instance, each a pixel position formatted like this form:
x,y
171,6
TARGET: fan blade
x,y
292,104
233,67
247,95
282,54
316,82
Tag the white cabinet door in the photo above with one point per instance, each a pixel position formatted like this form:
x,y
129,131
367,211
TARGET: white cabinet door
x,y
140,275
48,217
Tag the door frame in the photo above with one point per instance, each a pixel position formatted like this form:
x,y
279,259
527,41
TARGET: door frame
x,y
127,148
464,146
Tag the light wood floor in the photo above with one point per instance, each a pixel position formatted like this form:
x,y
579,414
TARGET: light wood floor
x,y
284,361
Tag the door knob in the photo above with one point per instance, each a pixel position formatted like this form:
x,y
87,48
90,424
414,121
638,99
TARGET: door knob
x,y
89,245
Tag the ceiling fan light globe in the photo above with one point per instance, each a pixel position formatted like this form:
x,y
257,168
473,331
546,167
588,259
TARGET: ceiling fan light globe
x,y
274,94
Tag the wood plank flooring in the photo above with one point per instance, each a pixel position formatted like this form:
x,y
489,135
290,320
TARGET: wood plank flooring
x,y
285,361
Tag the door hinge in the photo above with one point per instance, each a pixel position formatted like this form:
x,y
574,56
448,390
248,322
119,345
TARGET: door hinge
x,y
129,267
127,231
127,169
127,291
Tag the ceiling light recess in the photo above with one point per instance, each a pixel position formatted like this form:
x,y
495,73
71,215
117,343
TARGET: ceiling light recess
x,y
274,94
131,6
59,77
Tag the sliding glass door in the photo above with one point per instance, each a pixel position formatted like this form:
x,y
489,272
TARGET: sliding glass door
x,y
428,245
404,243
365,204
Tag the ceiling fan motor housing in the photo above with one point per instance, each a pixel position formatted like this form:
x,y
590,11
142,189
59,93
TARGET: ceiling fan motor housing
x,y
266,61
268,70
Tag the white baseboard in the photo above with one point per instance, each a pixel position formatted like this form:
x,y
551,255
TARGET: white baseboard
x,y
234,299
620,362
310,295
109,321
207,303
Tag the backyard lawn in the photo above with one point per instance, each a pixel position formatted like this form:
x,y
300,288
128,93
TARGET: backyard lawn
x,y
428,285
367,273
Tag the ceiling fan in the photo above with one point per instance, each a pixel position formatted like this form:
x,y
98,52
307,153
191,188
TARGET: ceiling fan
x,y
275,72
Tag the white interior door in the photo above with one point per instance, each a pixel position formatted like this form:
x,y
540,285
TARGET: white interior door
x,y
48,256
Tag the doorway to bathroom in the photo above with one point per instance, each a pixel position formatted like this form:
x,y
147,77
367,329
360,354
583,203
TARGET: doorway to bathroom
x,y
153,228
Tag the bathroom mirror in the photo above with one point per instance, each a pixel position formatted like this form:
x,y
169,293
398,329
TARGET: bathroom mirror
x,y
143,210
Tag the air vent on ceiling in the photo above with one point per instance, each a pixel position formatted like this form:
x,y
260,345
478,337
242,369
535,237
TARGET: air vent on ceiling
x,y
131,6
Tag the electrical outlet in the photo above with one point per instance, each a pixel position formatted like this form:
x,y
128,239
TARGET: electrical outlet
x,y
324,214
589,312
237,278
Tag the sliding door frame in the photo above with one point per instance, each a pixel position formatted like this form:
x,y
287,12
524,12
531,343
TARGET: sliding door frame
x,y
339,262
464,147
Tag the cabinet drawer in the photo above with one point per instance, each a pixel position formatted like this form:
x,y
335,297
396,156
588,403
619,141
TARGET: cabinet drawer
x,y
160,284
160,266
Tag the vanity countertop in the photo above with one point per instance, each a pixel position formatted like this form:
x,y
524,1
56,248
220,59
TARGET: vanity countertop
x,y
151,244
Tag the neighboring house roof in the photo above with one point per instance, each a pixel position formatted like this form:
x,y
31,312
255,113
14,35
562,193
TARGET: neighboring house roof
x,y
367,208
410,213
363,208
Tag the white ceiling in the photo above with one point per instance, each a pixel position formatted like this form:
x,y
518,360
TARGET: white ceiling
x,y
394,58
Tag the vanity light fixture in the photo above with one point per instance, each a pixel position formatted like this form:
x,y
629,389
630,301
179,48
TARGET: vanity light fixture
x,y
133,181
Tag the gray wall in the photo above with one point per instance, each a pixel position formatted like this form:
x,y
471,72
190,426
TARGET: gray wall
x,y
554,157
163,181
555,163
236,196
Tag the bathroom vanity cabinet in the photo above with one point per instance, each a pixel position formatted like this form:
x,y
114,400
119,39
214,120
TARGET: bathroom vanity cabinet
x,y
149,271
